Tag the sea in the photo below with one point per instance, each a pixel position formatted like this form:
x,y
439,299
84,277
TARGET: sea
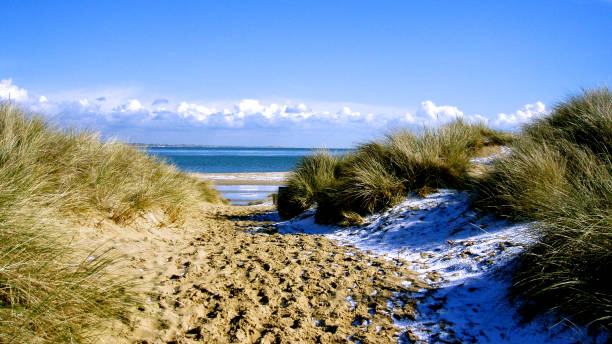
x,y
235,160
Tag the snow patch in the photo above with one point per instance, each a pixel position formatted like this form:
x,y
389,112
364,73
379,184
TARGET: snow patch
x,y
465,257
505,151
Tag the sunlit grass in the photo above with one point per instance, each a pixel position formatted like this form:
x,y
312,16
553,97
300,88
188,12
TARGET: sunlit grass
x,y
51,290
380,174
560,174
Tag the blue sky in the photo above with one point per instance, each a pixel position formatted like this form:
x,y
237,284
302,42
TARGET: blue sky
x,y
329,73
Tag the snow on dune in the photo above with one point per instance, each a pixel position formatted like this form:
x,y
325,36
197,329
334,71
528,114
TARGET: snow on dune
x,y
489,160
465,257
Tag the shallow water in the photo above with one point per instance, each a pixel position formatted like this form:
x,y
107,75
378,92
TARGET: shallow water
x,y
233,159
236,160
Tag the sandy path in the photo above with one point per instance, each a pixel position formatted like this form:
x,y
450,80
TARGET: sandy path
x,y
211,281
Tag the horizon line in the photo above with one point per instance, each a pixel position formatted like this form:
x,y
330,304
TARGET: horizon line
x,y
179,145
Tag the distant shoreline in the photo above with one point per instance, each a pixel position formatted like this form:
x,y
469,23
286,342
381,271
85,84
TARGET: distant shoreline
x,y
157,145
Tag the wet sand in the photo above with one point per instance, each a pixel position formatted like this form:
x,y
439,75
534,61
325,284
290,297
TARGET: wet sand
x,y
214,280
258,178
246,188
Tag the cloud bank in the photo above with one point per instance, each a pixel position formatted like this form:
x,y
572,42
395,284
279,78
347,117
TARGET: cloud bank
x,y
166,122
522,116
10,91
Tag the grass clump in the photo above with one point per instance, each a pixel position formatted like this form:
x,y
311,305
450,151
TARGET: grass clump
x,y
50,289
379,174
366,184
560,174
50,294
312,175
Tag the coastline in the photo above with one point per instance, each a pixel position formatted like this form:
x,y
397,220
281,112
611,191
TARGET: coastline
x,y
247,188
245,178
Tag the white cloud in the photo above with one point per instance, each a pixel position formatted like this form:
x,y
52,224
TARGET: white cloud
x,y
199,112
430,114
521,116
12,92
111,114
250,106
440,114
408,118
132,105
478,118
251,112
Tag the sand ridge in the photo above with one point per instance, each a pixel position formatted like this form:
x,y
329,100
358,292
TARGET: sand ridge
x,y
216,281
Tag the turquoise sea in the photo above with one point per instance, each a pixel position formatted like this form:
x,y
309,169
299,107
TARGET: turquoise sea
x,y
235,160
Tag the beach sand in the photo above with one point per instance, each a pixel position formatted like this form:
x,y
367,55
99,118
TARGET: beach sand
x,y
214,280
246,188
257,178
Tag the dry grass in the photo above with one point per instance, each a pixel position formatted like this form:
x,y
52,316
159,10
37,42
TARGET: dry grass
x,y
380,174
560,174
49,291
312,174
367,185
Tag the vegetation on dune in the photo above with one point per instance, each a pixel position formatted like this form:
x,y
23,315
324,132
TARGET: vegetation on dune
x,y
560,174
50,291
312,175
380,174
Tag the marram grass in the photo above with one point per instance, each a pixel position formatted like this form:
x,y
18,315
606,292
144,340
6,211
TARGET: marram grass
x,y
312,174
49,291
379,174
560,174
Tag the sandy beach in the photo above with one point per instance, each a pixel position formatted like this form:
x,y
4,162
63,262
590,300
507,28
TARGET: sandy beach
x,y
246,188
258,178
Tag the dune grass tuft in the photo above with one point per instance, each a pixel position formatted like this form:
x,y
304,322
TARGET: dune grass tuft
x,y
366,184
560,174
311,175
379,174
50,290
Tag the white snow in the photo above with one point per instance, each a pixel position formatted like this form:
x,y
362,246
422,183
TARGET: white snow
x,y
269,203
351,302
470,253
505,150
